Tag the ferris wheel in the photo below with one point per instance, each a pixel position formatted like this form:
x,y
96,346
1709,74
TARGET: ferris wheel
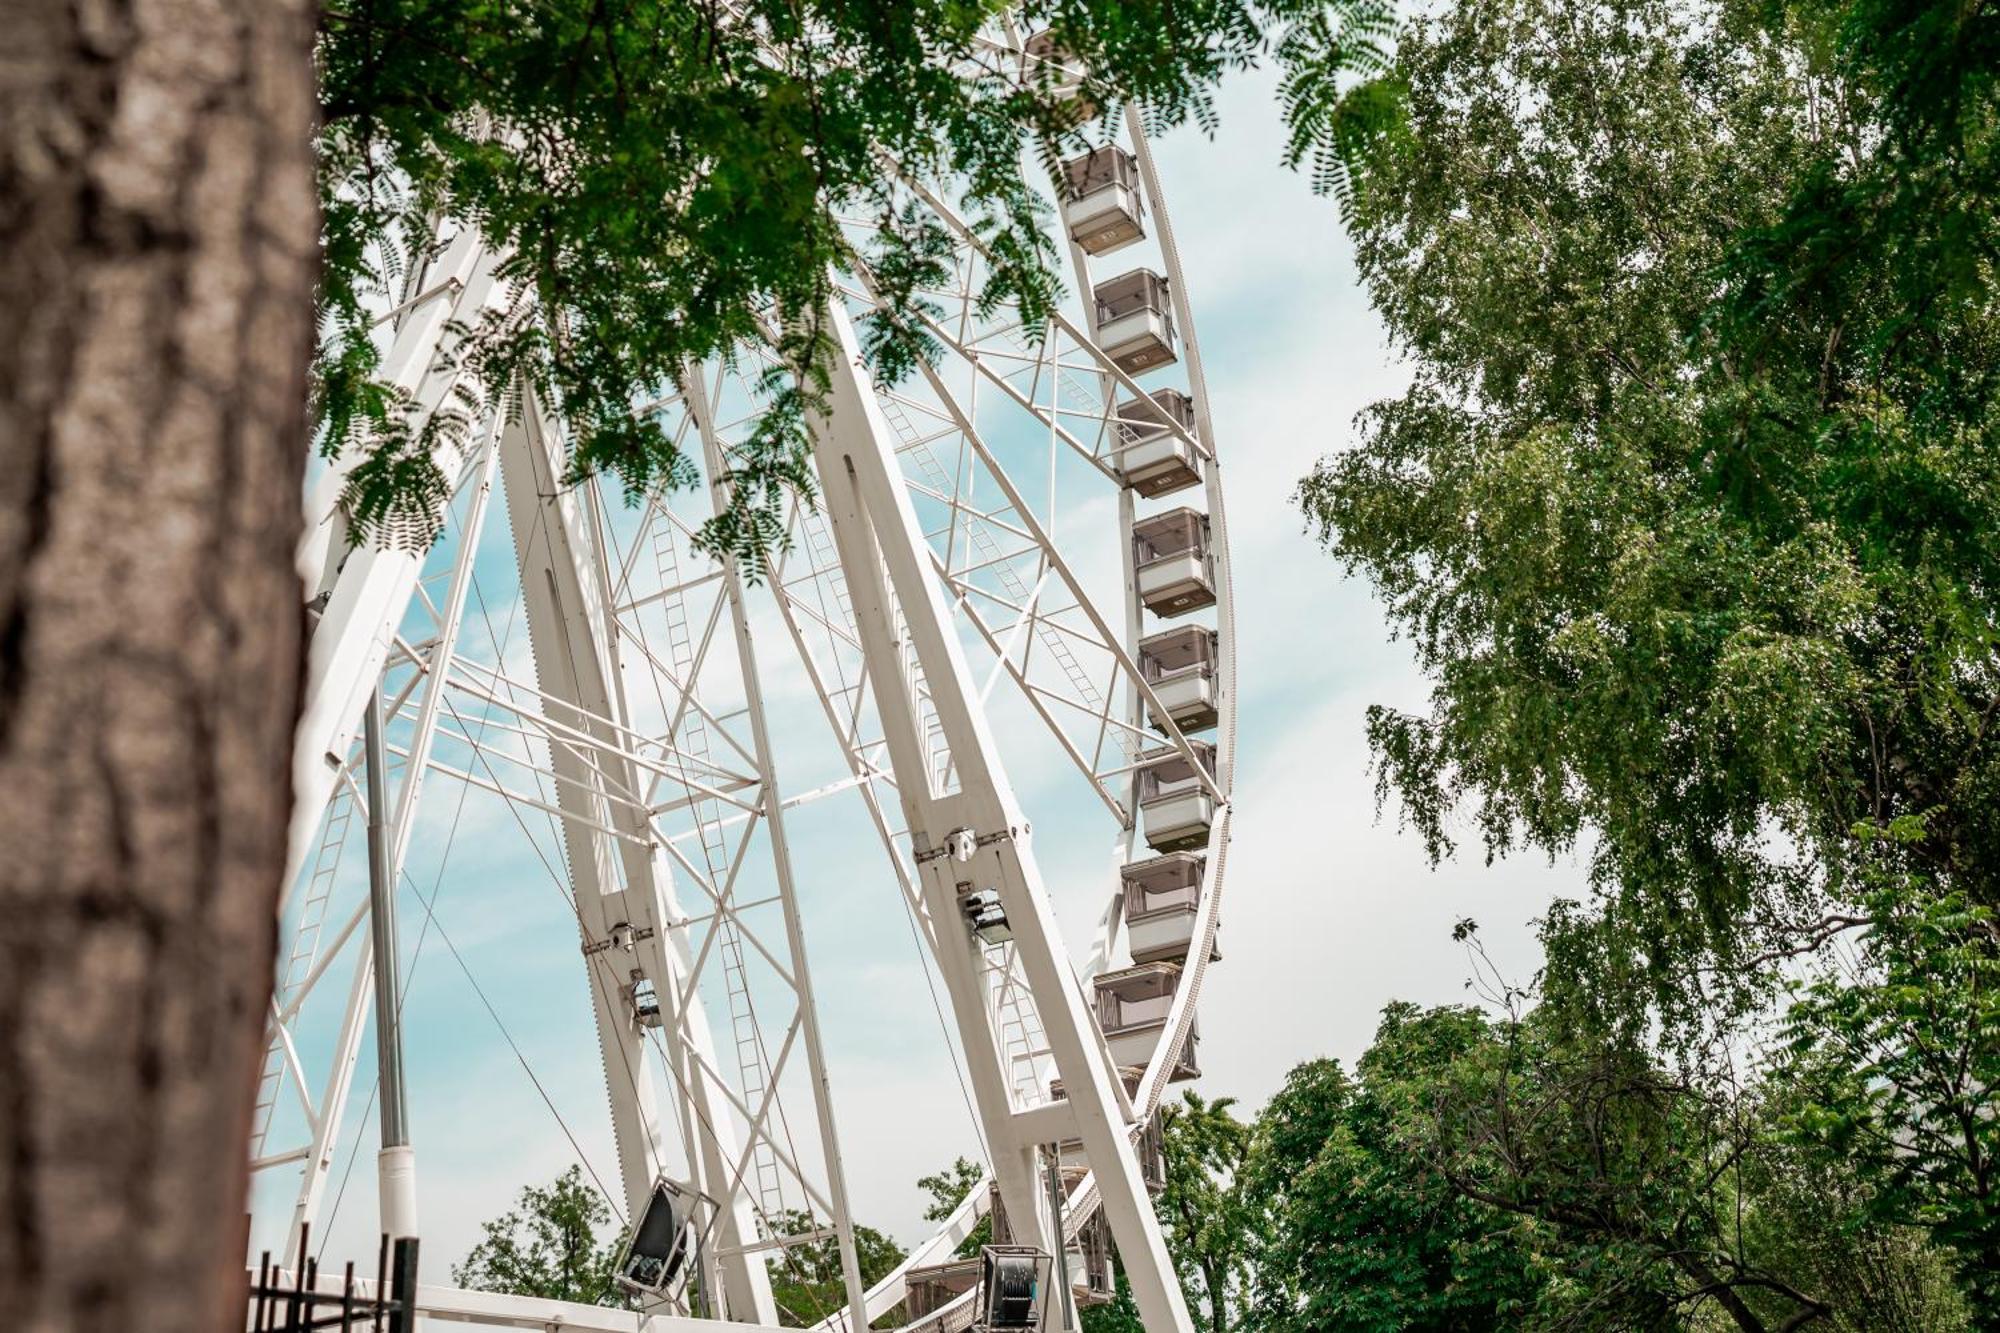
x,y
1018,552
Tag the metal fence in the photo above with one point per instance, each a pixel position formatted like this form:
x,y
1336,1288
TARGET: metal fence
x,y
304,1299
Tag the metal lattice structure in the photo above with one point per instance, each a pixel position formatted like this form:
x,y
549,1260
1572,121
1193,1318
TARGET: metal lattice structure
x,y
1033,526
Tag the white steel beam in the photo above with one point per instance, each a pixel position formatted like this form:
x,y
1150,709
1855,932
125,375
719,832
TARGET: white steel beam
x,y
781,856
616,881
354,1020
368,586
884,555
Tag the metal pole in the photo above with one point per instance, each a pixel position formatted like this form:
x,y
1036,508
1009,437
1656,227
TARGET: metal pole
x,y
1064,1292
397,1162
781,857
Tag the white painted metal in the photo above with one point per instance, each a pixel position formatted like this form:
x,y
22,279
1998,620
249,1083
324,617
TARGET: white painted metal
x,y
324,1117
884,555
880,613
822,1096
367,586
617,885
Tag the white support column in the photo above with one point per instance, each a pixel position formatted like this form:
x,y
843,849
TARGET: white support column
x,y
882,548
333,1098
617,880
1013,1158
347,1046
774,816
368,587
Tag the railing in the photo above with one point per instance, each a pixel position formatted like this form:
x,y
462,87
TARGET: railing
x,y
305,1299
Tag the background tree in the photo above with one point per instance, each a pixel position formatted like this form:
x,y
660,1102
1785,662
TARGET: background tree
x,y
1355,1231
1690,514
1699,555
1630,1173
806,1281
1199,1208
156,263
559,1243
948,1189
1120,1314
549,1245
1894,1074
1492,1173
1814,1214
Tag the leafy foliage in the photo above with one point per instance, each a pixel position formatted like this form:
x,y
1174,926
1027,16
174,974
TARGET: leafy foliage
x,y
1631,1172
1895,1071
1354,1231
948,1189
666,181
1690,513
1120,1314
1199,1208
1483,1172
1815,1215
547,1245
806,1281
1688,509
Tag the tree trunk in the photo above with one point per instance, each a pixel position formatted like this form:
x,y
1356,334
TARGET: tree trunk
x,y
1725,1295
157,253
1216,1279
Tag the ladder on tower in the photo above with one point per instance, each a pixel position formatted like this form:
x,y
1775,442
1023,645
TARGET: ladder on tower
x,y
826,576
691,742
1024,1047
300,958
825,573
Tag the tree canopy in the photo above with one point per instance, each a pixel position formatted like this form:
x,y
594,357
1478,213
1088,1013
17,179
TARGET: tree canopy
x,y
667,180
1486,1170
1690,514
1687,510
1203,1144
1354,1231
548,1245
806,1281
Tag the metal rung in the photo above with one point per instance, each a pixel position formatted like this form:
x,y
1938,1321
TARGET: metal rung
x,y
780,1242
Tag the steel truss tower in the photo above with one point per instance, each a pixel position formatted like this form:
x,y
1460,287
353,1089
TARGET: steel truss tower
x,y
972,527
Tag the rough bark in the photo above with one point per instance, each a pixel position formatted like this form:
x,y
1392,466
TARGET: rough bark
x,y
157,251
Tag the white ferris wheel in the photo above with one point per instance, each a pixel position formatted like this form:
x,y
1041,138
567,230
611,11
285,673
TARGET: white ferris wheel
x,y
1020,547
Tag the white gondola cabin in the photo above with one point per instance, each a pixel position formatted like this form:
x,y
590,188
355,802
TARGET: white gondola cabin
x,y
1135,322
1174,801
1132,1007
1179,666
1102,206
1162,896
1152,459
1170,557
1049,67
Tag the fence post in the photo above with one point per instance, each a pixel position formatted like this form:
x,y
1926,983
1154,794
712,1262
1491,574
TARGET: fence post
x,y
403,1286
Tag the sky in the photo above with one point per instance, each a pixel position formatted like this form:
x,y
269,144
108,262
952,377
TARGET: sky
x,y
1331,909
